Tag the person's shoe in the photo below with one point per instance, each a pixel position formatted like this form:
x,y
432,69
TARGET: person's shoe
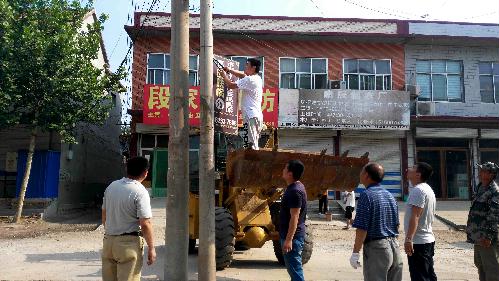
x,y
346,228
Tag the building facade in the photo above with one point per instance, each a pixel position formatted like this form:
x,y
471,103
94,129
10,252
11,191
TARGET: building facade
x,y
455,121
375,56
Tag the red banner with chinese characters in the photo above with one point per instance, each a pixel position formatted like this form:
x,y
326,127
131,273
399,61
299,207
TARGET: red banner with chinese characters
x,y
157,103
270,108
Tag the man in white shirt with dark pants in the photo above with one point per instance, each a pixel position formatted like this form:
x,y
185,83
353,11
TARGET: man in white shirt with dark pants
x,y
419,242
251,85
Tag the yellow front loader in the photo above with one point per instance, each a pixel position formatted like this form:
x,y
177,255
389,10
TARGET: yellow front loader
x,y
248,196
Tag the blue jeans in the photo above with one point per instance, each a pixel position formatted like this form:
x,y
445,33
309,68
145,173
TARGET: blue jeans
x,y
293,259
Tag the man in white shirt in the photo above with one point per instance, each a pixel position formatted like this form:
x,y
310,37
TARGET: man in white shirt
x,y
251,85
126,216
420,212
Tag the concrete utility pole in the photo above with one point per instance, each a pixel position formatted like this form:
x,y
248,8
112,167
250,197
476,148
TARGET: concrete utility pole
x,y
177,202
206,254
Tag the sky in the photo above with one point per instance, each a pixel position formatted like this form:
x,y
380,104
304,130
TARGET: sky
x,y
120,13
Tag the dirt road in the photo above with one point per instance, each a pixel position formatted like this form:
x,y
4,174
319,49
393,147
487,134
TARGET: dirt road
x,y
76,256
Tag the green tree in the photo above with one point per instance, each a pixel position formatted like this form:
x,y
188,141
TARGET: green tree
x,y
47,79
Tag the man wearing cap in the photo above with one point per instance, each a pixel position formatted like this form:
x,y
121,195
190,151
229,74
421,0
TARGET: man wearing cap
x,y
483,220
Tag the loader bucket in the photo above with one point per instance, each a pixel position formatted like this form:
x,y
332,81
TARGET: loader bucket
x,y
262,170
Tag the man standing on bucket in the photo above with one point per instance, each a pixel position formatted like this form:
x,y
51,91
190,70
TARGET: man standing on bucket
x,y
251,85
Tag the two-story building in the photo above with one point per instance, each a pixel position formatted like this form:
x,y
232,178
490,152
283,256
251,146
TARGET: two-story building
x,y
296,53
455,120
371,57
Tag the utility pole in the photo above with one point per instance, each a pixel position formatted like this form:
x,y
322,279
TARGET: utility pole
x,y
177,202
206,254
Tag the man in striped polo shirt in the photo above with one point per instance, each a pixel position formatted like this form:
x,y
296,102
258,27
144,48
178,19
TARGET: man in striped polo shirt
x,y
377,222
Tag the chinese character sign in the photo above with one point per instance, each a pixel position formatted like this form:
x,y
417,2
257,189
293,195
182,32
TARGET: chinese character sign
x,y
270,105
225,100
157,103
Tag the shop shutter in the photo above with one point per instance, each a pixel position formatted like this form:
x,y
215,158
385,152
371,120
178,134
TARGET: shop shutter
x,y
383,147
307,140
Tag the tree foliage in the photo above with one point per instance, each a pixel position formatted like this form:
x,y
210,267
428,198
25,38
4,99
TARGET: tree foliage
x,y
47,76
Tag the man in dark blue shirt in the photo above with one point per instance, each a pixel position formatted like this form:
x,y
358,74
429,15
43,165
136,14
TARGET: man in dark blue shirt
x,y
377,222
292,219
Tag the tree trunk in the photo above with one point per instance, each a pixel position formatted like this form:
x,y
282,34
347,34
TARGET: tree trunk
x,y
206,256
177,202
27,171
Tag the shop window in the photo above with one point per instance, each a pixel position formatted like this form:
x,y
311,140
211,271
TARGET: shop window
x,y
367,74
440,80
303,73
489,151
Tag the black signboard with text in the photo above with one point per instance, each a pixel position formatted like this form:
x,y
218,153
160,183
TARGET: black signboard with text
x,y
353,109
225,99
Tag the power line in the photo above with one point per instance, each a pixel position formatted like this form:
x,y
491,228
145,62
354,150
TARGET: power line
x,y
319,9
373,10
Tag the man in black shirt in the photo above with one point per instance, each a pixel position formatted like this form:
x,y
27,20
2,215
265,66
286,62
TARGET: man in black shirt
x,y
292,219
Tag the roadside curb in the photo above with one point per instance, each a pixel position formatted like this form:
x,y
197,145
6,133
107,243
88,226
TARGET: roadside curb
x,y
459,227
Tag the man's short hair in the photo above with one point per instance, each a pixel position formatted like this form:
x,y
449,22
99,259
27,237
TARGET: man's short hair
x,y
136,166
425,170
256,63
296,167
375,171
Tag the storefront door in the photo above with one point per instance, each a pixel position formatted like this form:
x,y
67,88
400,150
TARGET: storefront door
x,y
451,176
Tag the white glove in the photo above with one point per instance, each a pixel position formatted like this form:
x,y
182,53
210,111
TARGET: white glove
x,y
354,260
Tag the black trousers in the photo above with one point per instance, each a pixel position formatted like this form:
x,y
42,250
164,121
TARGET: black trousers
x,y
323,204
421,262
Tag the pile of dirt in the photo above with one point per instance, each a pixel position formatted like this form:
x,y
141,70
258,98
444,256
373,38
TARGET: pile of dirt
x,y
34,226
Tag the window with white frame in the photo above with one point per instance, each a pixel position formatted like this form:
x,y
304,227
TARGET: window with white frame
x,y
367,74
489,81
440,80
303,73
242,62
158,69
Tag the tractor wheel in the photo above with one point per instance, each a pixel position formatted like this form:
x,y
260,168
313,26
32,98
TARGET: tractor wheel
x,y
224,237
308,246
192,246
241,246
306,253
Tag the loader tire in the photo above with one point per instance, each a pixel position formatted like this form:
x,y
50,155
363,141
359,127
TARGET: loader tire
x,y
224,238
306,253
308,245
241,246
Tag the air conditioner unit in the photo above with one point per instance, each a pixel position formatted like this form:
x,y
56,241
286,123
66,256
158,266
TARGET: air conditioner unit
x,y
337,84
425,108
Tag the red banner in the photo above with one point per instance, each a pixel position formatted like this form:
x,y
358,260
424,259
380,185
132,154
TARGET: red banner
x,y
270,108
157,103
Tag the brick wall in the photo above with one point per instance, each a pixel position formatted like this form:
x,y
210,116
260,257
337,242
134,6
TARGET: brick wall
x,y
272,50
471,56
